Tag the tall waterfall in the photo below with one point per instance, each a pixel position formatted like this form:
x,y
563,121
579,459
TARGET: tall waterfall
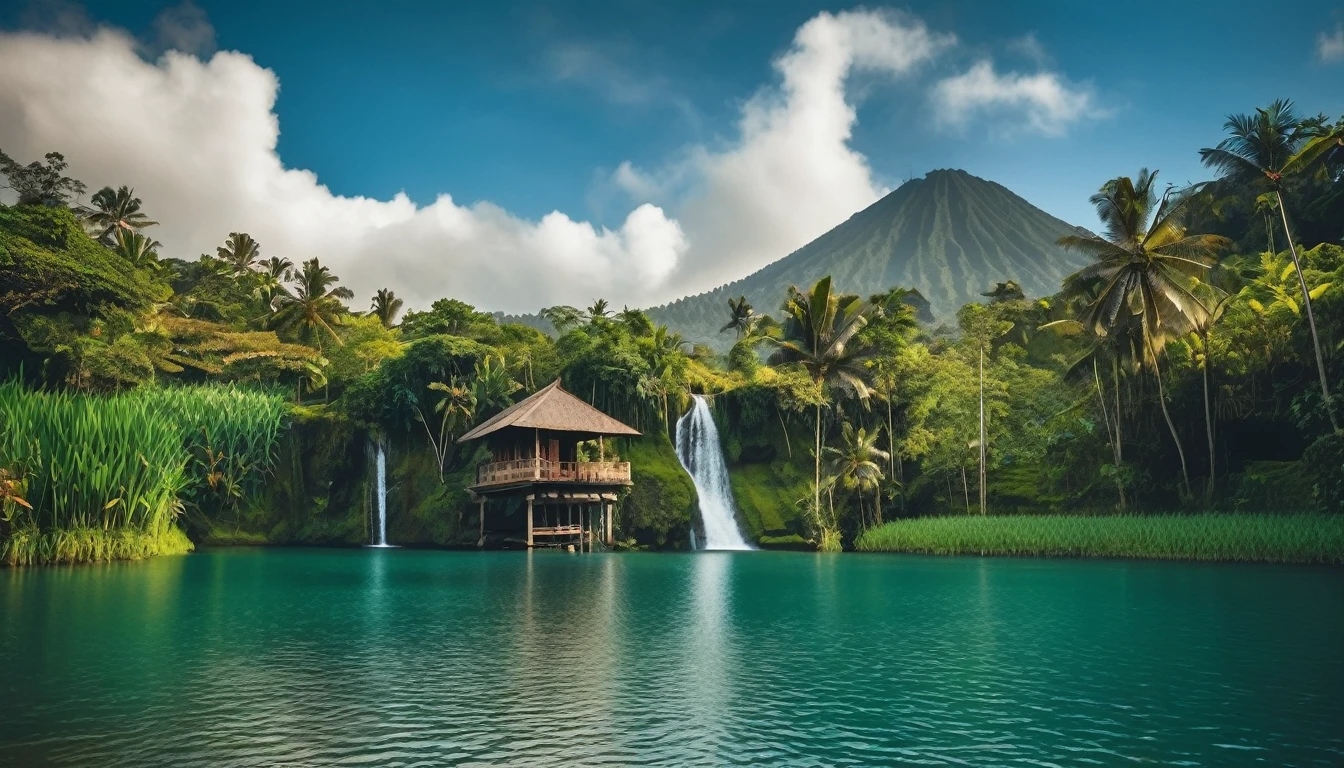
x,y
699,451
381,540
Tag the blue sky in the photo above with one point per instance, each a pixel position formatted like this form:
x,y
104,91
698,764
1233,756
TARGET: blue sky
x,y
532,107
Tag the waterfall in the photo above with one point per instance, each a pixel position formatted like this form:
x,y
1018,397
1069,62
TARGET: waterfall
x,y
381,539
699,451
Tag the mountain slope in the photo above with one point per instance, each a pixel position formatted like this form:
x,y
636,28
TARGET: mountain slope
x,y
950,235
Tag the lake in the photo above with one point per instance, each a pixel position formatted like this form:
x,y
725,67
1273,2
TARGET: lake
x,y
402,657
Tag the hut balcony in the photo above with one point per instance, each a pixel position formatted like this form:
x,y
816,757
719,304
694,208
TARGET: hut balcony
x,y
536,470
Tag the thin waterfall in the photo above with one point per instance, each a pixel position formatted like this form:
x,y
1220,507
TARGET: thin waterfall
x,y
699,451
381,461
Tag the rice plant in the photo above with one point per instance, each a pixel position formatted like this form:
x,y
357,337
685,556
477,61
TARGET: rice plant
x,y
1267,538
96,478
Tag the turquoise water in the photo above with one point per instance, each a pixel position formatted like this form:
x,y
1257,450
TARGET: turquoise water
x,y
398,657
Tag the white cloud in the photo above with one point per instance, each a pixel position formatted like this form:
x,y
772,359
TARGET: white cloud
x,y
1043,102
790,174
1330,46
197,140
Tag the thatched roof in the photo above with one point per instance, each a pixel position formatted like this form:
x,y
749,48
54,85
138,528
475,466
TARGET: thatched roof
x,y
551,407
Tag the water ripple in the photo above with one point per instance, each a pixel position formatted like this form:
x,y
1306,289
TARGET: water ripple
x,y
405,658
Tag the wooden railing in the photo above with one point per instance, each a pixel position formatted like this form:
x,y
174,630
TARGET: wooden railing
x,y
541,470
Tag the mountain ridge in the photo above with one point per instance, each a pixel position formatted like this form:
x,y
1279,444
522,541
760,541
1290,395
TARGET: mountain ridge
x,y
949,235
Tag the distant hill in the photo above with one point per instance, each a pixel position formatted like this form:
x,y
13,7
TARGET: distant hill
x,y
950,235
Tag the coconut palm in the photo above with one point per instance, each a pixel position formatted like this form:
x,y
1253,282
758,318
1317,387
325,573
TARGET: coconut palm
x,y
492,387
140,251
819,327
856,463
271,278
313,309
599,311
562,317
386,305
240,252
741,317
113,211
1263,149
456,409
1144,270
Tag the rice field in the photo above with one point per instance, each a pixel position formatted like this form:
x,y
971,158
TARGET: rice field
x,y
1261,538
106,477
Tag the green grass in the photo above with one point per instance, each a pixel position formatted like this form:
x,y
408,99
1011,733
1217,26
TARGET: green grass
x,y
107,477
1220,537
32,546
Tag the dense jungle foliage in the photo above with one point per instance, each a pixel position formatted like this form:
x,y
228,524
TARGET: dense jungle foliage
x,y
1193,363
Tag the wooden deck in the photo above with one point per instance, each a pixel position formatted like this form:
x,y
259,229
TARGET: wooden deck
x,y
518,471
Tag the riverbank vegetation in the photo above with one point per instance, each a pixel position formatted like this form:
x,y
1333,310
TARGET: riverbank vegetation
x,y
239,396
1260,538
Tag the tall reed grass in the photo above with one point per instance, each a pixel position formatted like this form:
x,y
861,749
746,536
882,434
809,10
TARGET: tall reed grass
x,y
1265,538
106,477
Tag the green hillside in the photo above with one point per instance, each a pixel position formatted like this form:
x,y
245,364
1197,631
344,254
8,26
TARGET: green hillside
x,y
950,235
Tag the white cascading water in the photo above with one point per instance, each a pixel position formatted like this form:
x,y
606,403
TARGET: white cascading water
x,y
699,451
382,498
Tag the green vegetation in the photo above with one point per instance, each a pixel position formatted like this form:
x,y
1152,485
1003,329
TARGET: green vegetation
x,y
1184,358
107,477
1240,538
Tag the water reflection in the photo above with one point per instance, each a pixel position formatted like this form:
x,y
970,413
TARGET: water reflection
x,y
385,657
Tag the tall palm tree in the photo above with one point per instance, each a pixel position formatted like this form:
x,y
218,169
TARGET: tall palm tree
x,y
818,328
314,307
240,252
271,278
1216,294
456,409
1262,149
386,305
741,317
142,252
856,465
115,210
1144,268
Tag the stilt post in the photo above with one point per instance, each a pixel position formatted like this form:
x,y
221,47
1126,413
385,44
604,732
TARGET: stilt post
x,y
480,542
611,536
529,521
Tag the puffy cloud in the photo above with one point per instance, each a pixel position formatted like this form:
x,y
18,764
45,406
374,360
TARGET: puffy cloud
x,y
790,174
1043,102
1330,46
197,140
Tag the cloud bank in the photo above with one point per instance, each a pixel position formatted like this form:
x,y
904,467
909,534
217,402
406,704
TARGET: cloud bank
x,y
1330,46
196,136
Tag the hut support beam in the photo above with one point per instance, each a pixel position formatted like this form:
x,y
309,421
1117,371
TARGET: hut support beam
x,y
529,521
480,542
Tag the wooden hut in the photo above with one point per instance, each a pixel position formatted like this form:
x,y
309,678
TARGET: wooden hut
x,y
534,455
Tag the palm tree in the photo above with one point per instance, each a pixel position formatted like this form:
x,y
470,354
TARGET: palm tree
x,y
140,251
742,317
456,409
855,463
1264,148
492,387
386,305
562,317
818,328
1144,267
240,252
314,306
271,280
1217,295
981,327
115,210
599,310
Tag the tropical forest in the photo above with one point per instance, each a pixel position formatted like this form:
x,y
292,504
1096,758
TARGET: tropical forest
x,y
1173,394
